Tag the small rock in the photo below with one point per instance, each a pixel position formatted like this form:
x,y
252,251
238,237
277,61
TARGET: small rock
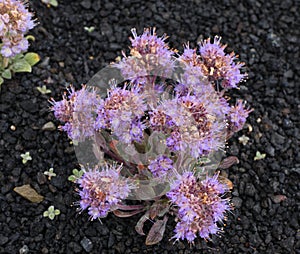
x,y
49,127
24,250
3,239
29,193
75,247
111,240
250,190
277,139
86,4
41,178
278,198
270,150
86,244
237,202
288,74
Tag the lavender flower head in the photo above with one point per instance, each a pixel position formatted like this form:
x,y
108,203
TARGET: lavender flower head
x,y
218,66
15,22
149,55
101,190
161,166
200,206
192,124
77,111
121,112
238,115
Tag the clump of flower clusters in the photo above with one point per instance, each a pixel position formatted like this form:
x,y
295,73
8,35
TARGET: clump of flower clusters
x,y
15,21
161,126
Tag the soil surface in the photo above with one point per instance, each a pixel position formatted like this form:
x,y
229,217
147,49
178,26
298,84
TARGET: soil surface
x,y
266,192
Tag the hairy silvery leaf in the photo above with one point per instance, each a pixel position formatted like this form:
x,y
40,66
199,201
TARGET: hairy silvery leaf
x,y
157,231
228,162
159,208
140,224
123,214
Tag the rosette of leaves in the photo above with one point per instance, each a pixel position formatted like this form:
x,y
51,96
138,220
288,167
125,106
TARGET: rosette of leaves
x,y
16,64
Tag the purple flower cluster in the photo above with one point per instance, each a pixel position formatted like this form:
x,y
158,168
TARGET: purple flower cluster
x,y
149,56
238,115
192,124
161,166
101,190
200,206
77,111
213,63
121,112
15,22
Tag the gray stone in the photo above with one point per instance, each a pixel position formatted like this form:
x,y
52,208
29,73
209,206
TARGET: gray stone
x,y
49,127
86,244
237,202
24,250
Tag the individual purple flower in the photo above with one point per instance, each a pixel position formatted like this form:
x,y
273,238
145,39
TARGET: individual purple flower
x,y
77,111
149,56
102,189
218,66
160,166
15,22
237,116
200,206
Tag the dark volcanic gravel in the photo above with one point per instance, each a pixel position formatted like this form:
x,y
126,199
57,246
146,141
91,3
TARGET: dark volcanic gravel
x,y
266,192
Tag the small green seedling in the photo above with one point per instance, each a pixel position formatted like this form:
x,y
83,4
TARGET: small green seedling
x,y
51,212
76,175
244,140
50,173
89,29
43,89
50,3
26,157
259,156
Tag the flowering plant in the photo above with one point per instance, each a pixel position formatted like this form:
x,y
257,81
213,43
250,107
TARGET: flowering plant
x,y
15,22
151,128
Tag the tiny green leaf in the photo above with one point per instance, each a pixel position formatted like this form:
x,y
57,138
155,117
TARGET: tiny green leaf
x,y
25,157
50,173
51,212
43,89
72,178
6,74
89,29
259,156
50,2
21,66
1,81
32,58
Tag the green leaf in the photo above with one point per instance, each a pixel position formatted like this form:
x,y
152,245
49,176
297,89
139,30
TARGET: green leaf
x,y
51,216
75,172
56,212
72,178
21,66
32,58
1,81
53,3
6,74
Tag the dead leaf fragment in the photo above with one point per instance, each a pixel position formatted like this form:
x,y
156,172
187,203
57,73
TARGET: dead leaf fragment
x,y
156,232
29,193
